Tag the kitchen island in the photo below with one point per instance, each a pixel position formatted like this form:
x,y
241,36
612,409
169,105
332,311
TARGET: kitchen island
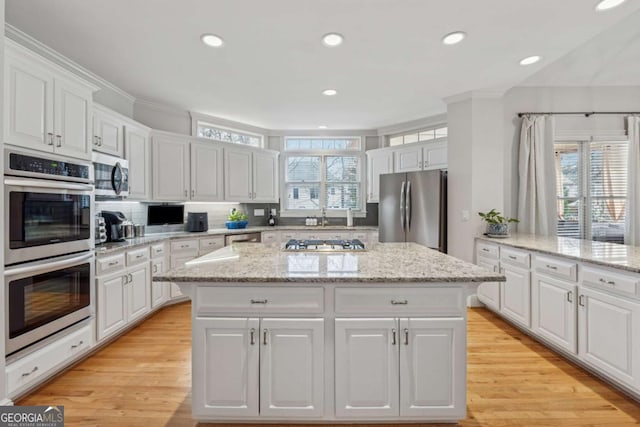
x,y
376,335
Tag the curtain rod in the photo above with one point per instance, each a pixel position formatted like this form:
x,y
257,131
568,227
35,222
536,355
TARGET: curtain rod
x,y
585,113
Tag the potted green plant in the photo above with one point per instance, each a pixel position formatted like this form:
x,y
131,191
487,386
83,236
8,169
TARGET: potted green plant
x,y
497,224
236,219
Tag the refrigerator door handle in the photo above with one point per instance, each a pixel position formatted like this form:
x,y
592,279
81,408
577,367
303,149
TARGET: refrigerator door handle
x,y
403,206
407,208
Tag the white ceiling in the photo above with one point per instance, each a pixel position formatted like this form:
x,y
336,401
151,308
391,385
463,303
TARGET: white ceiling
x,y
392,67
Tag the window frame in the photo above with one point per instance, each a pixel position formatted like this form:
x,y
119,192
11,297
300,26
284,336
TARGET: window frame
x,y
417,132
360,211
204,123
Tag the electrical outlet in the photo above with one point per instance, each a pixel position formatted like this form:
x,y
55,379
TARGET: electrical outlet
x,y
258,212
465,216
273,212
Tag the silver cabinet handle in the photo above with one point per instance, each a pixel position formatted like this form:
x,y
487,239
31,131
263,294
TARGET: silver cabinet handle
x,y
155,268
495,268
485,250
264,337
77,345
552,267
607,282
396,302
95,140
581,300
26,374
406,336
570,296
111,264
252,333
393,336
50,135
59,138
139,256
512,257
186,193
100,141
193,193
259,301
130,277
126,279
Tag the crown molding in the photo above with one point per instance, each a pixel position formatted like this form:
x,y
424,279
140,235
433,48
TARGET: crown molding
x,y
161,107
473,95
433,120
42,49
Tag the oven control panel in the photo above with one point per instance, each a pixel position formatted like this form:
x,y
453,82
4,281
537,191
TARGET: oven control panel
x,y
39,165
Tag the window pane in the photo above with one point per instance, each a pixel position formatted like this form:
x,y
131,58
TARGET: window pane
x,y
442,132
396,140
206,131
569,218
408,139
607,220
303,196
322,144
343,196
303,168
427,135
343,168
567,170
608,173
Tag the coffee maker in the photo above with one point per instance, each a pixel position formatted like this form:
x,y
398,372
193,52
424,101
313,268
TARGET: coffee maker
x,y
113,223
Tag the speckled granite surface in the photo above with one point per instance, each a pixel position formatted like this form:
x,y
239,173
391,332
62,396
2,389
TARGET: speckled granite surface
x,y
383,262
107,248
624,257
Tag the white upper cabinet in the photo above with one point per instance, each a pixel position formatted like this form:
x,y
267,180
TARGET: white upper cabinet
x,y
420,156
378,162
170,168
408,158
45,107
108,132
137,153
434,156
250,175
206,172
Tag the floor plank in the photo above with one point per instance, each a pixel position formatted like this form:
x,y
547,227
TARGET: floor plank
x,y
144,379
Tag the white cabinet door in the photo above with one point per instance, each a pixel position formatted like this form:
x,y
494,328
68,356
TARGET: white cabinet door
x,y
206,172
159,290
265,176
408,159
170,168
138,292
434,156
432,363
137,153
609,334
366,367
108,133
112,310
515,295
554,316
72,119
28,103
489,292
225,353
237,175
379,162
292,367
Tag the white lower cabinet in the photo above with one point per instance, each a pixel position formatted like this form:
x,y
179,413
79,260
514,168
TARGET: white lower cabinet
x,y
408,367
609,334
138,292
112,312
515,294
489,292
553,304
258,367
160,291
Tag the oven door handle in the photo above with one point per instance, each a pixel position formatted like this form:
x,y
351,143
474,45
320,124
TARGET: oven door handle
x,y
47,265
56,185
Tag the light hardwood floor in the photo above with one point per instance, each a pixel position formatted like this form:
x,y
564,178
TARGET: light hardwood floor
x,y
143,379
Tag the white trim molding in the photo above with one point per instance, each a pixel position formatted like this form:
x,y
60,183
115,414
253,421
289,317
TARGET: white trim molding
x,y
474,95
6,402
425,122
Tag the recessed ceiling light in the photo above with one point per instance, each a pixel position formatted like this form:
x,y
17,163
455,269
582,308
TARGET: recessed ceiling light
x,y
608,4
212,40
454,38
329,92
322,127
530,60
332,39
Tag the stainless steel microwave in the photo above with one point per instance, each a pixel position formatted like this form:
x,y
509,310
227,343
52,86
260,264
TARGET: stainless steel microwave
x,y
111,176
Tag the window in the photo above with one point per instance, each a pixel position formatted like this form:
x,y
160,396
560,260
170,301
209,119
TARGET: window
x,y
206,130
592,189
322,173
419,136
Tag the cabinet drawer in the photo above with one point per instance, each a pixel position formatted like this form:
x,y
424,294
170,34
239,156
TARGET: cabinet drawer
x,y
487,250
210,244
606,279
158,250
184,246
426,301
215,300
38,364
515,257
138,256
109,264
555,267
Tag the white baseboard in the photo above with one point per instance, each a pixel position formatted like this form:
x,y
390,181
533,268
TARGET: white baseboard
x,y
6,402
473,301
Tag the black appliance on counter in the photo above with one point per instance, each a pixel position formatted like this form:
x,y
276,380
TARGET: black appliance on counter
x,y
113,222
165,214
197,221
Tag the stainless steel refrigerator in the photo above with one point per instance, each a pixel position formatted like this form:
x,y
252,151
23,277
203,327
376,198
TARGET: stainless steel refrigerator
x,y
413,208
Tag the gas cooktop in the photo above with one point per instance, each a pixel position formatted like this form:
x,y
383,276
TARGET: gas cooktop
x,y
324,245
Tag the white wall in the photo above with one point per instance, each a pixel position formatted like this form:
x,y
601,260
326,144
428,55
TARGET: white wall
x,y
3,388
162,117
556,99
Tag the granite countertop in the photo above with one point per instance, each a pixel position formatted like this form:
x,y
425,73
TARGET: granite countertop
x,y
382,263
110,247
614,255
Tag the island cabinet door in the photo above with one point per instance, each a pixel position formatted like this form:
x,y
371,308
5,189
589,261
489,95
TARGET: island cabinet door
x,y
225,367
292,367
432,367
515,295
366,367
